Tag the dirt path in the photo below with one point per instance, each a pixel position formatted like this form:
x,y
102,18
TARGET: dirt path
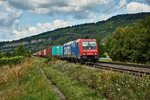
x,y
55,88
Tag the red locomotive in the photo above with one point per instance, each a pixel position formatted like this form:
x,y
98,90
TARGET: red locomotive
x,y
81,50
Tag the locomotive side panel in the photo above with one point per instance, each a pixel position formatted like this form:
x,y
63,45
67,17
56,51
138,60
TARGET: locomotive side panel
x,y
75,49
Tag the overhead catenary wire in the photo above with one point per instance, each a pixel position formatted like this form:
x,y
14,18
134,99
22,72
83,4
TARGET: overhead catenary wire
x,y
107,10
116,9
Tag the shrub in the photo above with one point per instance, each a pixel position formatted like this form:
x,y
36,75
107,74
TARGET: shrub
x,y
11,61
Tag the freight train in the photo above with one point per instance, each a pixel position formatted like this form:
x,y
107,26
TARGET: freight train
x,y
80,50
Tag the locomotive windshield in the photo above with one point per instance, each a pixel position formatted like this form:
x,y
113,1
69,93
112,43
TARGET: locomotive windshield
x,y
89,45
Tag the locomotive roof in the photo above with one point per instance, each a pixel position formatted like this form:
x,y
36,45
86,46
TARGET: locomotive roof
x,y
68,43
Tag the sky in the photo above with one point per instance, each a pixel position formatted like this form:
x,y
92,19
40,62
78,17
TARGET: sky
x,y
23,18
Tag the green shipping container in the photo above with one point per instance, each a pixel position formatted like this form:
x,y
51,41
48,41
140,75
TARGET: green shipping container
x,y
57,50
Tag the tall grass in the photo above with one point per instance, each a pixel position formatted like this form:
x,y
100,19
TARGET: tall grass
x,y
112,85
24,82
72,89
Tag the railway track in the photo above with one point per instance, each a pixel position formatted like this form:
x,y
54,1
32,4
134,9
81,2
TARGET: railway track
x,y
138,70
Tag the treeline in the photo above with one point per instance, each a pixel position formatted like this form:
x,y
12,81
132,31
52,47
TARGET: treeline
x,y
19,51
15,57
131,43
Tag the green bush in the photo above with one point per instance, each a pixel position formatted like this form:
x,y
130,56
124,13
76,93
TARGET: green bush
x,y
11,61
21,51
131,44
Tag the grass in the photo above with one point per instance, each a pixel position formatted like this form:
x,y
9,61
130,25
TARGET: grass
x,y
72,89
24,82
112,85
110,60
76,82
105,59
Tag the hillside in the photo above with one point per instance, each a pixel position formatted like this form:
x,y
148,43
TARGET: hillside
x,y
59,36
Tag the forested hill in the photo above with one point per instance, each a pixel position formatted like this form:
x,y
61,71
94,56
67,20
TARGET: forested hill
x,y
59,36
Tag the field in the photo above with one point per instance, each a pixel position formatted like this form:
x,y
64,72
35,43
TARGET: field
x,y
24,81
35,78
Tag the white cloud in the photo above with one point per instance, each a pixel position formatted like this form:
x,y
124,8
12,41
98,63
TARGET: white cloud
x,y
41,10
8,14
122,3
41,27
87,3
135,7
8,20
64,7
4,36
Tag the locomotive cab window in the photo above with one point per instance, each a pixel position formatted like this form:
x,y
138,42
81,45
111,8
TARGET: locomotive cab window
x,y
89,45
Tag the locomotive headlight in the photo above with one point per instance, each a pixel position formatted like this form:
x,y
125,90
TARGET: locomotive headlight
x,y
83,53
95,53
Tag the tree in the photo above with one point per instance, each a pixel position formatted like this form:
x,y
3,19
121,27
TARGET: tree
x,y
108,40
21,51
101,47
1,54
5,54
132,43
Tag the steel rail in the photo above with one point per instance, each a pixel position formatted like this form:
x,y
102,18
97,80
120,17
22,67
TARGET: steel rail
x,y
125,64
135,69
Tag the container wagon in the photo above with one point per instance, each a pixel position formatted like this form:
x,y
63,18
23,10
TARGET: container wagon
x,y
48,52
57,51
